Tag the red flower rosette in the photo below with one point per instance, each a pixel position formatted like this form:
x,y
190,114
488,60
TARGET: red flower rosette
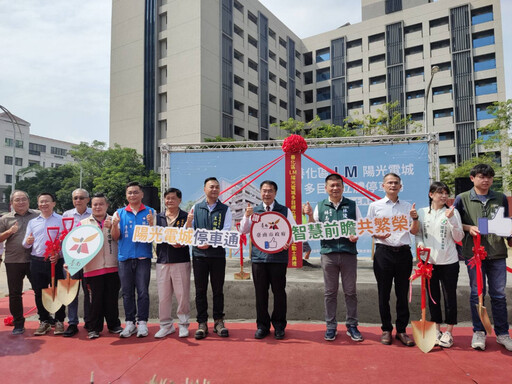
x,y
294,144
53,245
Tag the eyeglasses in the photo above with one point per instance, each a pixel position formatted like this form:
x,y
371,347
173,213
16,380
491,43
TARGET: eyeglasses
x,y
20,200
79,197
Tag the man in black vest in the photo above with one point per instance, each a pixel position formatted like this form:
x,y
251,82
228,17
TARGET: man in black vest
x,y
269,269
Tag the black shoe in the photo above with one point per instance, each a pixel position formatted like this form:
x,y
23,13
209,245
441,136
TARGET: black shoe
x,y
116,330
261,333
71,331
279,334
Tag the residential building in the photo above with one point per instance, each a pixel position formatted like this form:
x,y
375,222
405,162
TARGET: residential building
x,y
186,70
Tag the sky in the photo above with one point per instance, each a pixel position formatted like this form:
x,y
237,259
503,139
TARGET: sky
x,y
55,58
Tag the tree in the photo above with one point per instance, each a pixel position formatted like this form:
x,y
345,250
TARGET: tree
x,y
313,129
103,170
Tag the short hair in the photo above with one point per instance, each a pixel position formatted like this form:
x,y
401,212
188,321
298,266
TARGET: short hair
x,y
210,179
46,194
334,176
392,175
18,191
84,191
173,190
483,169
100,195
133,184
269,182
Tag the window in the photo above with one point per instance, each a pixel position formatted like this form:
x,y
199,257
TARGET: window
x,y
36,149
238,6
58,151
19,162
31,163
253,135
283,104
252,17
237,55
323,94
8,160
355,104
238,81
298,93
253,88
272,98
272,55
377,37
447,159
486,87
438,22
298,112
282,83
355,84
308,58
252,65
412,28
308,115
308,77
482,112
323,74
443,113
415,94
239,131
282,42
272,77
414,50
282,63
323,54
377,58
418,116
483,38
251,40
439,44
252,112
355,64
239,106
297,55
414,72
9,142
8,179
378,100
308,97
354,43
272,120
446,66
324,113
298,74
378,79
444,136
271,33
485,62
239,31
481,15
442,90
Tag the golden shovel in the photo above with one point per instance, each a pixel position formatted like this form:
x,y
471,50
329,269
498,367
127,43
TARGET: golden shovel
x,y
242,275
424,332
67,289
50,301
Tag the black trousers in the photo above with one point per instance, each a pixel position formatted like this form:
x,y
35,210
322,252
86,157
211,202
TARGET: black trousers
x,y
444,277
215,269
16,273
40,272
393,264
271,275
104,292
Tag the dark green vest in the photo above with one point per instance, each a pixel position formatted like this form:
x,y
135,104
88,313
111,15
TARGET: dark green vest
x,y
327,212
203,218
475,209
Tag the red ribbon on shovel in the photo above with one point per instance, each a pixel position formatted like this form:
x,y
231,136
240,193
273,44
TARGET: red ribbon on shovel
x,y
423,269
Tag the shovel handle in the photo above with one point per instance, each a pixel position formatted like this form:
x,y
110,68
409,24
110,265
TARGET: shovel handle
x,y
478,266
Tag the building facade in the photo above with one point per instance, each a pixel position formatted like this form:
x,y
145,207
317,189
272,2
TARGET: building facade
x,y
186,70
29,150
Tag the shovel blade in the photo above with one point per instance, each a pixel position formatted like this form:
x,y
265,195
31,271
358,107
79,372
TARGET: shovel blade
x,y
50,301
424,334
242,276
67,290
484,318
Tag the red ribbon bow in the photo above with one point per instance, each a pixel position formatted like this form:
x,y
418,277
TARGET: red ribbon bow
x,y
479,254
52,245
424,269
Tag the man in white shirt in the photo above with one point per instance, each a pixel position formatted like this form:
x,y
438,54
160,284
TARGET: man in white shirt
x,y
393,260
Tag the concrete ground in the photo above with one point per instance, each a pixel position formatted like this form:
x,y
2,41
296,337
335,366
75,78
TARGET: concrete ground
x,y
305,295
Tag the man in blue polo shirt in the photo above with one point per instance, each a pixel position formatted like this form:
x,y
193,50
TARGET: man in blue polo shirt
x,y
134,259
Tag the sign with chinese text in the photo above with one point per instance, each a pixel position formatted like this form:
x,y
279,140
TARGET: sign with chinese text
x,y
81,245
270,232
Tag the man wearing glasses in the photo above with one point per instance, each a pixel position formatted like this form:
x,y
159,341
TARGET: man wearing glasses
x,y
81,211
17,259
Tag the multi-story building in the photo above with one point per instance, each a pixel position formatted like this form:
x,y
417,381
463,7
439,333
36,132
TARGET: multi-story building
x,y
186,70
29,150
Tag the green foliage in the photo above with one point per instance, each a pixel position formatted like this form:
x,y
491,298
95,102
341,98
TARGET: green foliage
x,y
497,133
218,139
314,129
103,170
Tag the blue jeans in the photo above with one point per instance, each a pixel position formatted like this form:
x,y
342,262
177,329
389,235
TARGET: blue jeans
x,y
73,306
495,273
134,275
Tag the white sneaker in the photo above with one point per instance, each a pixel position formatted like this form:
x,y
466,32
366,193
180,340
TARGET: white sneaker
x,y
505,341
183,331
446,340
163,331
478,341
143,329
129,329
438,337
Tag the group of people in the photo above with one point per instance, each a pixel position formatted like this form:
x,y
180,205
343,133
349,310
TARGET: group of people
x,y
126,265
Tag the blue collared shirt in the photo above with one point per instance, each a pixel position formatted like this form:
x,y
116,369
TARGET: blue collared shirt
x,y
77,216
38,228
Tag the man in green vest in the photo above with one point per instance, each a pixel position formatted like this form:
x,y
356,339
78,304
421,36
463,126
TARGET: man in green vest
x,y
479,202
339,257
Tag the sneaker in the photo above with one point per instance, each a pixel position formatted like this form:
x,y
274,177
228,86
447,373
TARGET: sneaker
x,y
93,335
183,331
330,334
505,341
116,330
202,331
129,329
143,329
220,329
164,331
18,331
478,341
59,328
446,340
438,337
354,333
44,328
